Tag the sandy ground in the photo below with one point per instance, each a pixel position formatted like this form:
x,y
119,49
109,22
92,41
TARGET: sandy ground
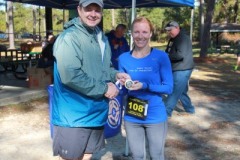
x,y
211,134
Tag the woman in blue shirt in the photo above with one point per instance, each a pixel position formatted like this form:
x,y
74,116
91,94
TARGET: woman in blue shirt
x,y
145,114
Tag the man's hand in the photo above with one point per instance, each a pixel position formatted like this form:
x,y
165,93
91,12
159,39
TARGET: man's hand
x,y
122,77
112,91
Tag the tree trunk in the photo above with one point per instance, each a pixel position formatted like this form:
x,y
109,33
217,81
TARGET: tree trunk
x,y
34,23
201,20
10,24
235,8
113,18
49,26
225,11
207,27
6,15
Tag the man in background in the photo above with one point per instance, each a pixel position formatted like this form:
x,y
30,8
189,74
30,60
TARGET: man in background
x,y
46,60
180,53
118,43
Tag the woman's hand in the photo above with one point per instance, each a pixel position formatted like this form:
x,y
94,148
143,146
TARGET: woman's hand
x,y
136,86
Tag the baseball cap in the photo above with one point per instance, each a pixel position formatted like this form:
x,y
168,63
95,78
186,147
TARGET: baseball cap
x,y
85,3
171,25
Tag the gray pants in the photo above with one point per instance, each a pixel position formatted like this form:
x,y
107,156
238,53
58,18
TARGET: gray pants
x,y
155,134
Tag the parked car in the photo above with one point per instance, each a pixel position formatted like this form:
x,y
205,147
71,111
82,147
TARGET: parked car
x,y
3,35
37,37
27,35
30,36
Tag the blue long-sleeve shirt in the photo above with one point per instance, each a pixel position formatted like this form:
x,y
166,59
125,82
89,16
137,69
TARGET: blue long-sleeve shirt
x,y
155,72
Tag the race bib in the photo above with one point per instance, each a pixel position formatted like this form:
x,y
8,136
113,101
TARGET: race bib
x,y
136,107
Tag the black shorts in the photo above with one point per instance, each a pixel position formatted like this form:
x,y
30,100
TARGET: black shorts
x,y
72,143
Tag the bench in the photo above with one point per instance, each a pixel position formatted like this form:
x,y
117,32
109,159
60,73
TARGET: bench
x,y
10,60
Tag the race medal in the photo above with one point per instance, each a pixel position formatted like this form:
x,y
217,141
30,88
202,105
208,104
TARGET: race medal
x,y
136,107
128,83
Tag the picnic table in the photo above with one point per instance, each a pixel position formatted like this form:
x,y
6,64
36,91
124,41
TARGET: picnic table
x,y
17,61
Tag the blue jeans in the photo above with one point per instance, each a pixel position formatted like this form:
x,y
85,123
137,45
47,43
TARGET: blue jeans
x,y
180,89
155,134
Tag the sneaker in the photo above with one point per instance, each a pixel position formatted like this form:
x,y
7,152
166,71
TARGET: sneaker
x,y
178,109
186,114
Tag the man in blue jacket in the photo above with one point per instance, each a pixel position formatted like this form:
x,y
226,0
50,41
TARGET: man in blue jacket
x,y
118,43
180,53
83,84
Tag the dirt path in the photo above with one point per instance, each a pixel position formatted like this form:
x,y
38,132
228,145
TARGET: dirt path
x,y
211,134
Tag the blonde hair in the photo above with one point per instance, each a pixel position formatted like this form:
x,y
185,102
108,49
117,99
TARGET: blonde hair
x,y
143,19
